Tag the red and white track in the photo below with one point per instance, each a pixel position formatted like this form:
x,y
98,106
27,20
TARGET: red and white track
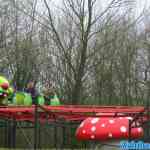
x,y
86,115
71,112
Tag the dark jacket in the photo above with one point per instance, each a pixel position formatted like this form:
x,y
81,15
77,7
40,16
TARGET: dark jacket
x,y
33,92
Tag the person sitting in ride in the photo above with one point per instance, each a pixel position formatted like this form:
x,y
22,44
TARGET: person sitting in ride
x,y
5,90
31,89
50,96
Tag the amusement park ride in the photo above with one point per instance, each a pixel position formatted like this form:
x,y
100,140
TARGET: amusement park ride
x,y
96,123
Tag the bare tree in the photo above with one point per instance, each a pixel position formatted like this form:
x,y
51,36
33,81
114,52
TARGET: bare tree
x,y
81,13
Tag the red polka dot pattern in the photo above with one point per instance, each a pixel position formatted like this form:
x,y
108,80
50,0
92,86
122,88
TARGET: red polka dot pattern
x,y
107,128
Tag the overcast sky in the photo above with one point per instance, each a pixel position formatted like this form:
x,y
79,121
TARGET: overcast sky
x,y
140,4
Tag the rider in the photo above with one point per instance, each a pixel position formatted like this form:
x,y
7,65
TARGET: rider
x,y
31,88
50,96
